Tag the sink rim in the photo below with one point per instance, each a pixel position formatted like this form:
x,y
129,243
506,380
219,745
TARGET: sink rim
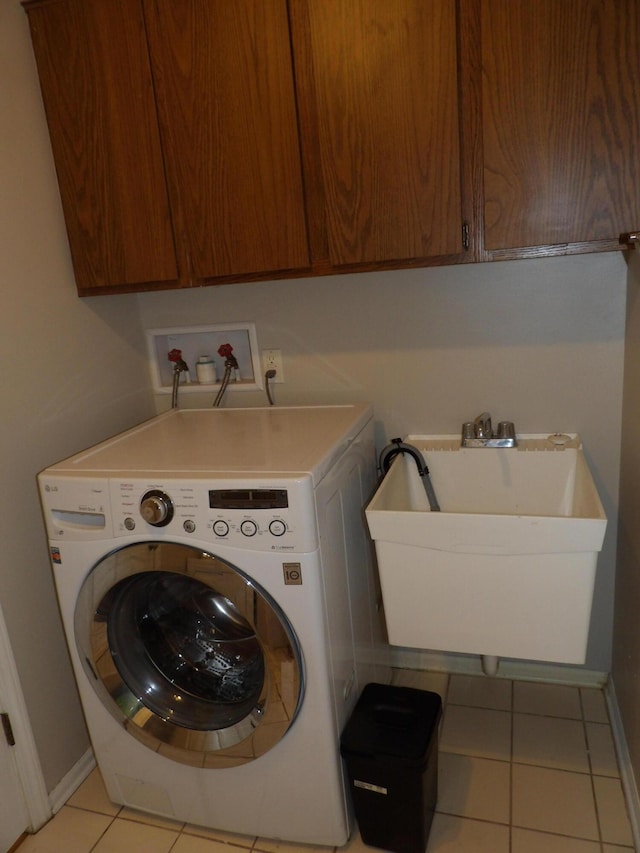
x,y
399,512
563,491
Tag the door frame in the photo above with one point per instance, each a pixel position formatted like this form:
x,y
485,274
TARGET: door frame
x,y
26,754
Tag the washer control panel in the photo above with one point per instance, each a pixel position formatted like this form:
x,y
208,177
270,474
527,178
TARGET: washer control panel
x,y
273,517
278,515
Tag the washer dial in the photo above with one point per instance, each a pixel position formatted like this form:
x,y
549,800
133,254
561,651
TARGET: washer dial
x,y
248,528
220,528
156,508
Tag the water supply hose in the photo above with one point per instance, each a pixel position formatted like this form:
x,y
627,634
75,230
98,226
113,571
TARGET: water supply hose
x,y
230,364
179,366
398,446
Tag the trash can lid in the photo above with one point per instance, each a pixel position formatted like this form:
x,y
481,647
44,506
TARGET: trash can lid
x,y
392,721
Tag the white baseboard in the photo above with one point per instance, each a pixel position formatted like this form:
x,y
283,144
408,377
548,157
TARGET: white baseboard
x,y
627,775
522,670
71,781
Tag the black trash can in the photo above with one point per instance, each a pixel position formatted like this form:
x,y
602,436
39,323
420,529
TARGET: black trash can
x,y
390,748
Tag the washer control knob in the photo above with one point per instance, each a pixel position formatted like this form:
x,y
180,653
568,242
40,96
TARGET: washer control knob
x,y
220,528
248,528
277,527
156,508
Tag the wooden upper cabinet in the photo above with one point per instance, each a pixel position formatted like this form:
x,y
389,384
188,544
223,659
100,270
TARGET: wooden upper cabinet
x,y
378,95
201,141
561,121
174,130
224,86
98,95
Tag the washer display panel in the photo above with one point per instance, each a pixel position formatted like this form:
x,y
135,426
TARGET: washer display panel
x,y
195,659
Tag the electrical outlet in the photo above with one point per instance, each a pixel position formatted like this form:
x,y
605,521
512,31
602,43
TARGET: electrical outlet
x,y
272,360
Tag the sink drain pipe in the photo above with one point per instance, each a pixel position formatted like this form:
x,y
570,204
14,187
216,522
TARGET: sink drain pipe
x,y
490,664
398,446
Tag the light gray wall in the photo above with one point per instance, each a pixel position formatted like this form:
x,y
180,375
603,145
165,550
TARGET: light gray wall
x,y
71,372
538,342
626,648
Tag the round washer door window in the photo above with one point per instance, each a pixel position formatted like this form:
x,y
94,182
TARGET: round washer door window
x,y
195,659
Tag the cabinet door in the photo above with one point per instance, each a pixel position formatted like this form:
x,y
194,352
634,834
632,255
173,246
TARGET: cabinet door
x,y
224,85
561,118
96,83
385,76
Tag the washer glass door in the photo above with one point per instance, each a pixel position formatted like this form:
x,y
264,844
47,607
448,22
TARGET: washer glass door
x,y
196,659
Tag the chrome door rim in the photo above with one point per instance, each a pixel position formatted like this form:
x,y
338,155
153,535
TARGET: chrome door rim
x,y
170,691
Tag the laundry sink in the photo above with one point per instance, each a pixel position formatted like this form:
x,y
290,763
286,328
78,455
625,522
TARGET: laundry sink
x,y
507,567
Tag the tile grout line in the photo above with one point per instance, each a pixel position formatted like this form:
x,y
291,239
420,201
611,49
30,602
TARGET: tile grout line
x,y
106,829
512,699
591,779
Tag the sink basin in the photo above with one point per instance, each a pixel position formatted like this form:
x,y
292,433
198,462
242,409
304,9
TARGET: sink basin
x,y
507,567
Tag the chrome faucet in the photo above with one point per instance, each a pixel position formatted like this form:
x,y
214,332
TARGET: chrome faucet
x,y
482,426
479,433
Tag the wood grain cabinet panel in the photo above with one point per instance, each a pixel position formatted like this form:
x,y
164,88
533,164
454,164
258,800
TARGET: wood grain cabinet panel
x,y
224,86
174,130
561,122
385,78
199,141
98,94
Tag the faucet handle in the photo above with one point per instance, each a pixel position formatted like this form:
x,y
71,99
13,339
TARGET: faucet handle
x,y
468,431
506,429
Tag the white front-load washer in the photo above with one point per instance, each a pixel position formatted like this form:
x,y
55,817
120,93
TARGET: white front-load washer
x,y
217,595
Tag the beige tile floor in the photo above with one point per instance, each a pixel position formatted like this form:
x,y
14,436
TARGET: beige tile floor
x,y
524,768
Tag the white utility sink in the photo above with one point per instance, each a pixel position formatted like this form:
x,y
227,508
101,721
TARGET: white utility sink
x,y
507,567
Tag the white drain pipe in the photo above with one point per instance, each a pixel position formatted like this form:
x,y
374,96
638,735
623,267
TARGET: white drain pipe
x,y
490,664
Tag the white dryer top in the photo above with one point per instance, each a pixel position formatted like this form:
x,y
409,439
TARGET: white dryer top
x,y
226,442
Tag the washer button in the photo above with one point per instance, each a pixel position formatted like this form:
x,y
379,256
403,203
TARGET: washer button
x,y
189,525
248,528
277,527
129,523
220,528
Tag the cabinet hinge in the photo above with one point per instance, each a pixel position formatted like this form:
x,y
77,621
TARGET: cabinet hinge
x,y
465,236
8,731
